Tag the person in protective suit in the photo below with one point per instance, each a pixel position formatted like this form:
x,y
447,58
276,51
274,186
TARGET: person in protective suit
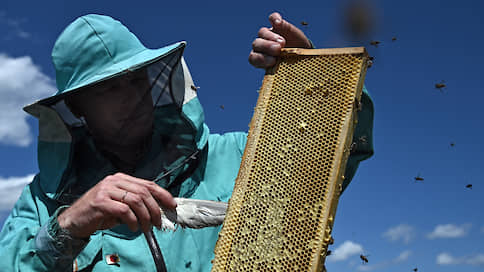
x,y
123,117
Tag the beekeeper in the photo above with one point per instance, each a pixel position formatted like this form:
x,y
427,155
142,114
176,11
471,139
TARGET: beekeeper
x,y
123,116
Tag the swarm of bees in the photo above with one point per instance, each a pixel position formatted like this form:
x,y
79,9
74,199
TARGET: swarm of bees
x,y
358,24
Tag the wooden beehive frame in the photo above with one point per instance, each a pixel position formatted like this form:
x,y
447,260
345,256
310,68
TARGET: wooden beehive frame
x,y
282,209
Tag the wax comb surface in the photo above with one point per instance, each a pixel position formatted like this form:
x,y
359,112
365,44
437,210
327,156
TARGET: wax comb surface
x,y
282,209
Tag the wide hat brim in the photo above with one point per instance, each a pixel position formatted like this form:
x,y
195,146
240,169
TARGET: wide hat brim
x,y
135,62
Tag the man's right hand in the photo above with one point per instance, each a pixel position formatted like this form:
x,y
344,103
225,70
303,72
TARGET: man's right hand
x,y
116,199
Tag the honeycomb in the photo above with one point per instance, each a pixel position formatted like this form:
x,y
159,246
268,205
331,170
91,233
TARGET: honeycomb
x,y
284,201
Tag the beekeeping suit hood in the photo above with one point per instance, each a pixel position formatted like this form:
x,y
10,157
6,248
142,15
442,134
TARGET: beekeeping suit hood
x,y
91,50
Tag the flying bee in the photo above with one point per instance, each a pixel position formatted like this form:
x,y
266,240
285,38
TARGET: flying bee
x,y
394,38
469,186
452,144
418,178
304,23
328,252
195,88
415,269
364,258
440,86
222,107
375,43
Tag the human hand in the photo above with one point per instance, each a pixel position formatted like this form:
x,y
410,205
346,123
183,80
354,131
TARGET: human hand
x,y
116,199
268,45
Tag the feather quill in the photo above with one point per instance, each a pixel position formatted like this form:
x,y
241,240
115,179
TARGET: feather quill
x,y
193,213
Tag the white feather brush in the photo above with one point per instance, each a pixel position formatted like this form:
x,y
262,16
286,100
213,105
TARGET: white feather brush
x,y
193,213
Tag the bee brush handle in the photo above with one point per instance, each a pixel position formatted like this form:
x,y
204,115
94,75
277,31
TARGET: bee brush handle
x,y
155,251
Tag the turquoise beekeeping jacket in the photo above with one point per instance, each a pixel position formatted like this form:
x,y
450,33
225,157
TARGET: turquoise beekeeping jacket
x,y
70,164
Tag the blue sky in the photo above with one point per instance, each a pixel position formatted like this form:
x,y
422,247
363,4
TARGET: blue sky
x,y
435,225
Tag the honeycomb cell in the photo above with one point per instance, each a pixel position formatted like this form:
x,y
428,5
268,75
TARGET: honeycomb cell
x,y
281,211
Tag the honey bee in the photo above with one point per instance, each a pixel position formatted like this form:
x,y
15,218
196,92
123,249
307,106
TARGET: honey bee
x,y
195,88
415,269
357,104
452,144
418,178
375,43
353,147
328,252
364,259
394,38
370,61
222,107
304,23
469,186
302,126
440,86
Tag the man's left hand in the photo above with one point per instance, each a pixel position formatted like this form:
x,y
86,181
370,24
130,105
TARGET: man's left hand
x,y
268,45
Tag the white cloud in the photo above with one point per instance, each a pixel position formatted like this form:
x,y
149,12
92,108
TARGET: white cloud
x,y
344,251
370,267
10,189
449,231
476,260
15,25
21,83
447,259
403,256
402,232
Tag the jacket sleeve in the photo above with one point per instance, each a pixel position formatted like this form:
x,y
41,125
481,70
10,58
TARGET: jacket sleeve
x,y
362,138
26,245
